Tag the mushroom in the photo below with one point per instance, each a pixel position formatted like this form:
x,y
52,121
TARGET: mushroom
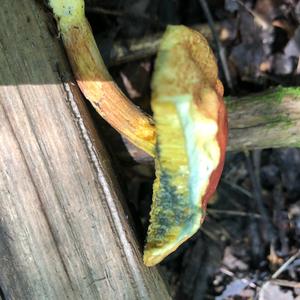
x,y
191,127
93,78
190,134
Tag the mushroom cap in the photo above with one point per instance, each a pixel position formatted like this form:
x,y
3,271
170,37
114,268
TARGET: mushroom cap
x,y
191,125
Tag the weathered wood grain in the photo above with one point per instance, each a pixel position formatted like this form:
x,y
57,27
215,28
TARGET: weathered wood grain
x,y
63,230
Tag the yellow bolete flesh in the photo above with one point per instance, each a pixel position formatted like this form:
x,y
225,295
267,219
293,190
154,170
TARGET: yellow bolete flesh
x,y
190,133
191,127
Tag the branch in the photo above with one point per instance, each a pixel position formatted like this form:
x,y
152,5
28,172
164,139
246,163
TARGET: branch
x,y
266,120
134,49
270,119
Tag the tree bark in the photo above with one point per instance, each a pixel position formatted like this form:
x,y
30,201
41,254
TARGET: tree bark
x,y
266,120
64,233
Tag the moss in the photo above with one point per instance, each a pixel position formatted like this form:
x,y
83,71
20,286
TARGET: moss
x,y
275,95
279,93
284,121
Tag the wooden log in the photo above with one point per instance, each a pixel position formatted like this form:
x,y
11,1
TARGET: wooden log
x,y
64,232
269,119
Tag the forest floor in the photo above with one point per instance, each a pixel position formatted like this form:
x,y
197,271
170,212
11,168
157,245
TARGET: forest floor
x,y
248,247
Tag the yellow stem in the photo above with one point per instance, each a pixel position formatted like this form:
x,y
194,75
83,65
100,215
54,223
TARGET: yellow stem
x,y
94,80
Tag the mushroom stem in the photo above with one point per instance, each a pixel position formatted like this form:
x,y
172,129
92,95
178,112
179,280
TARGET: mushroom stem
x,y
94,80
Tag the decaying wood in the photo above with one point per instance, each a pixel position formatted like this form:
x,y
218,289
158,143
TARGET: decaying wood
x,y
63,231
267,120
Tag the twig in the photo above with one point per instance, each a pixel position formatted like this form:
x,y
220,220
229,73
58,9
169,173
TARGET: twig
x,y
285,265
229,273
220,49
280,218
124,51
215,231
238,188
120,13
257,190
233,213
274,280
104,11
210,235
253,226
286,283
258,18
